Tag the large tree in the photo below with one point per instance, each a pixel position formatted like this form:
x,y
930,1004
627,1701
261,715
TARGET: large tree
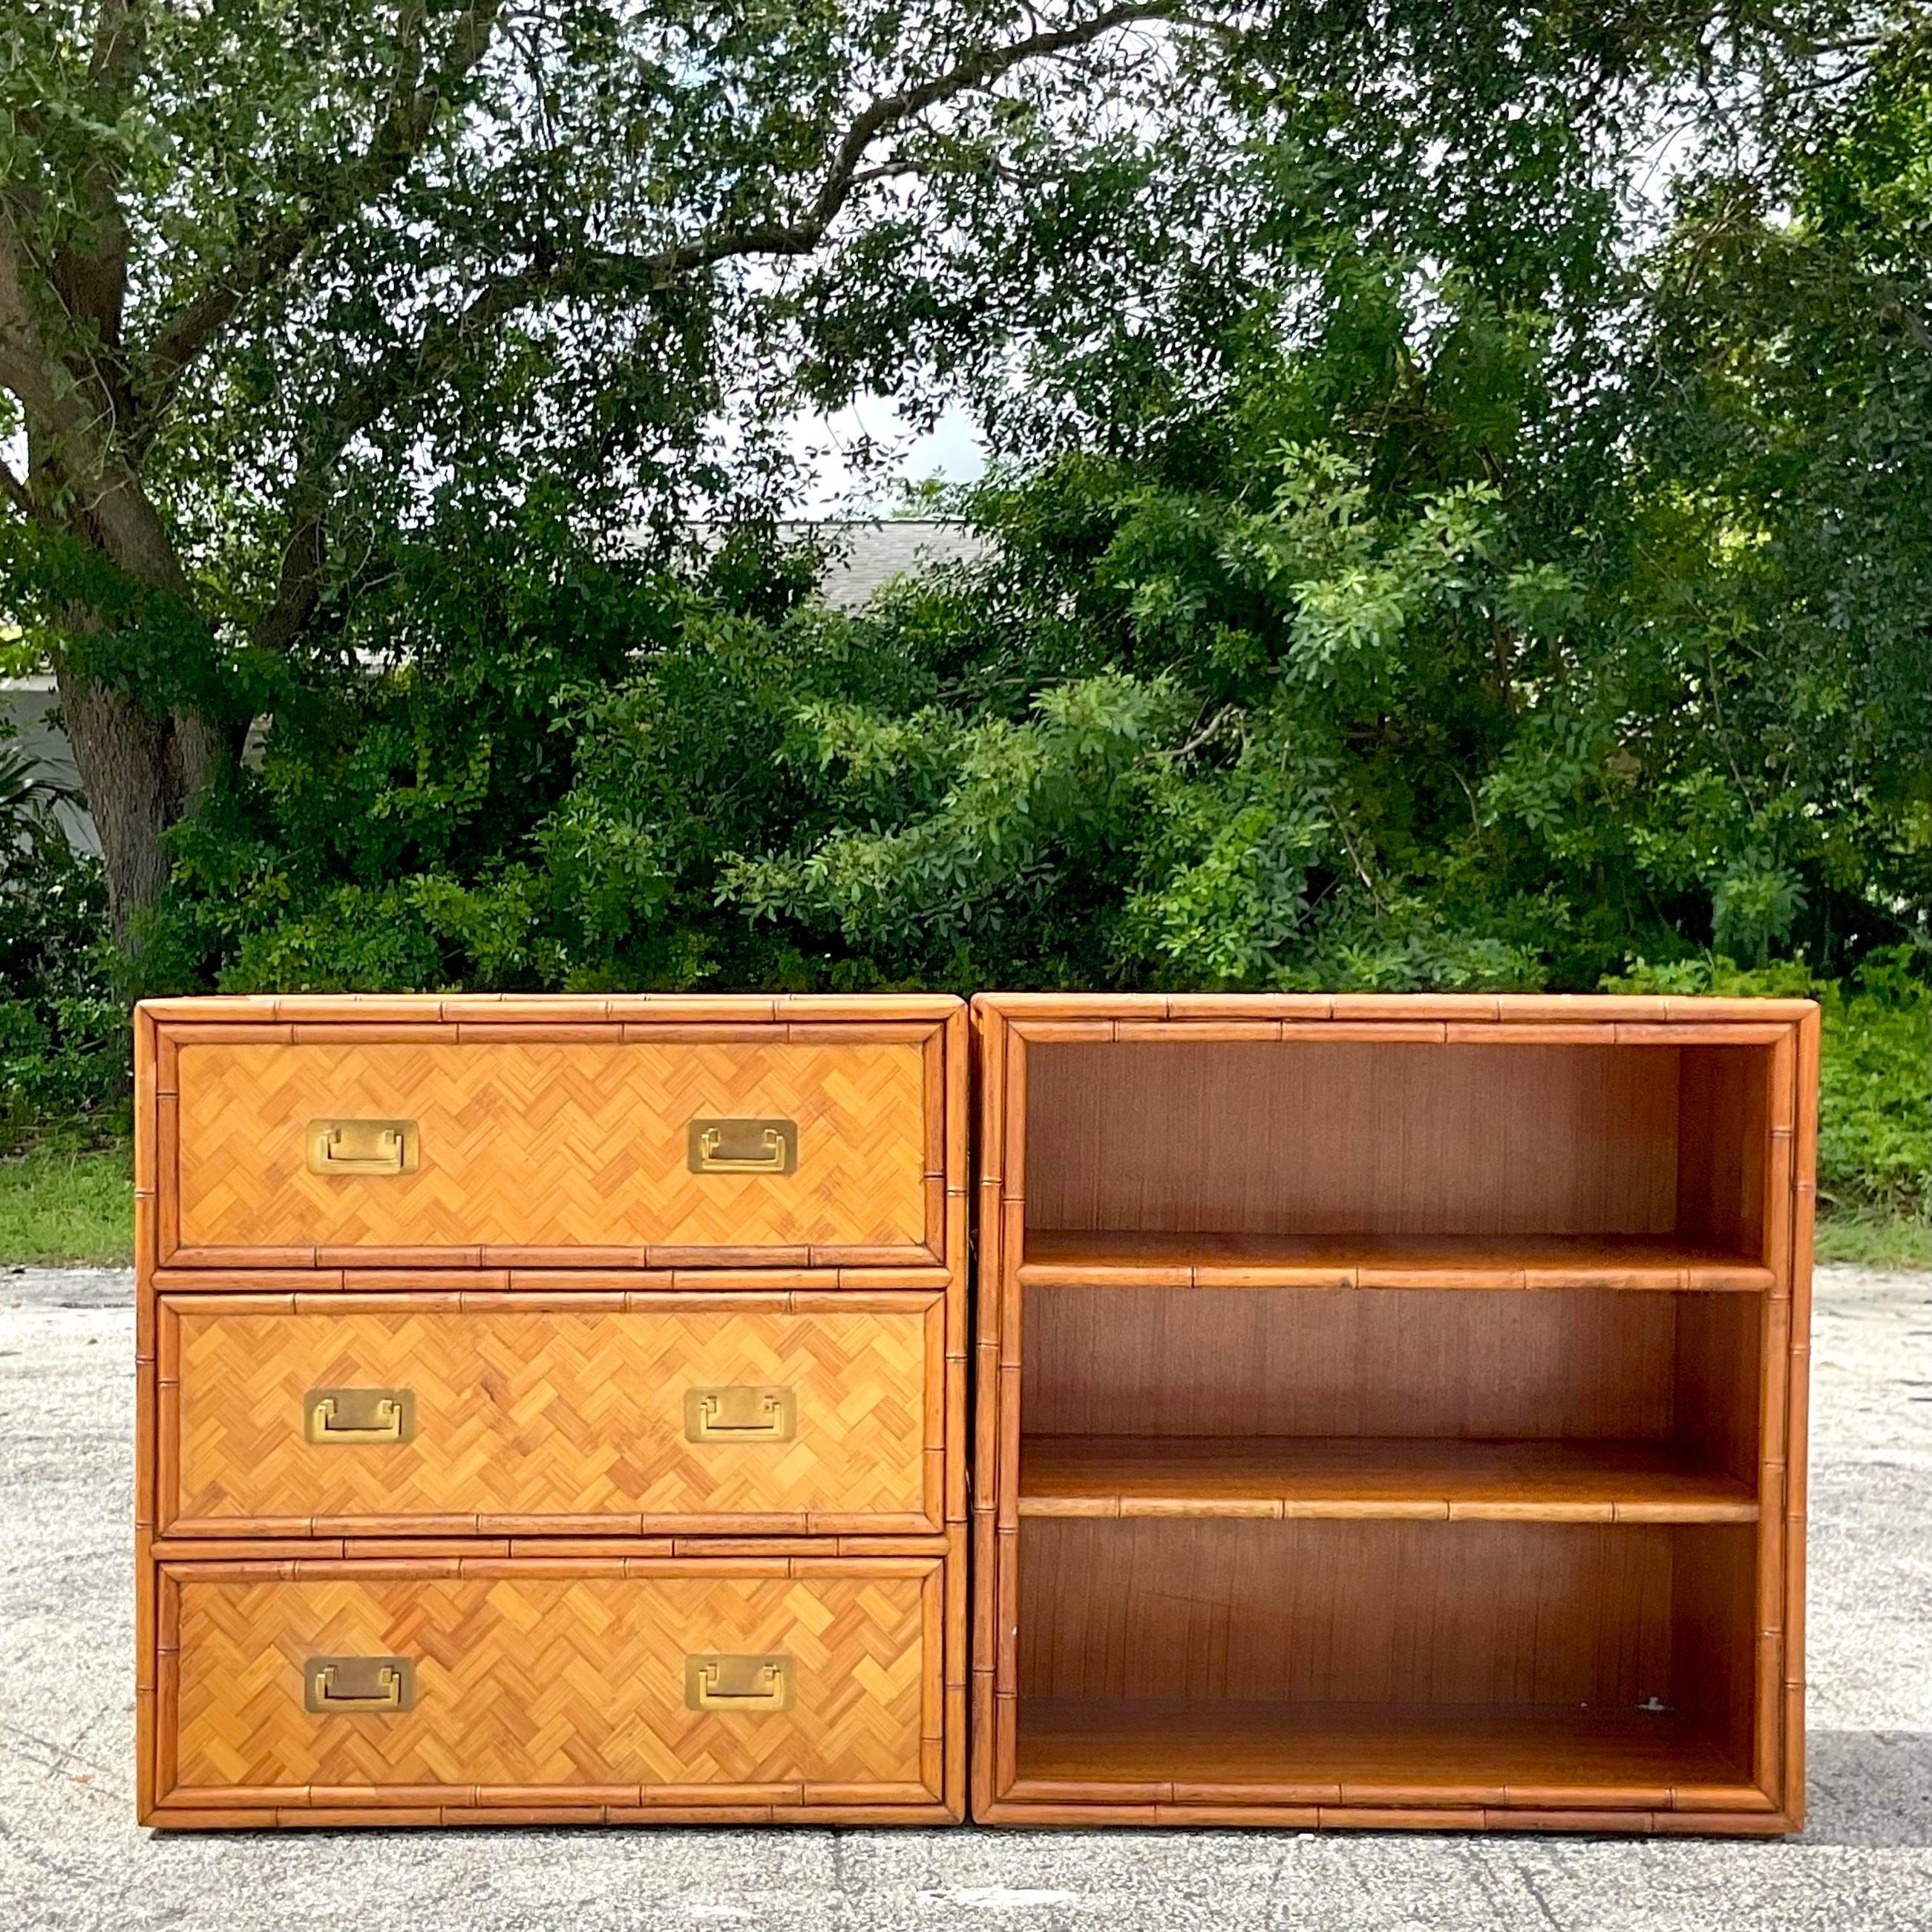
x,y
277,277
271,272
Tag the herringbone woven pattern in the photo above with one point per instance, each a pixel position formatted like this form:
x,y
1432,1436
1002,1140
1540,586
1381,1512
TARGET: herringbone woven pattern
x,y
530,1681
550,1412
551,1144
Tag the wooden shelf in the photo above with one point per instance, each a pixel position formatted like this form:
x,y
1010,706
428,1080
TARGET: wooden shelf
x,y
1059,1258
1174,1751
1417,1478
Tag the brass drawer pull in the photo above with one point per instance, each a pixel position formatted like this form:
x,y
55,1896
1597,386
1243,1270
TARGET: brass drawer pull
x,y
353,1415
739,1683
362,1147
368,1686
743,1414
742,1147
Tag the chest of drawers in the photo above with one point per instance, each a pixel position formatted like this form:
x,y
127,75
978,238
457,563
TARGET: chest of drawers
x,y
550,1409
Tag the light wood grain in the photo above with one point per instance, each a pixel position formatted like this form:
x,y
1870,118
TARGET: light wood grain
x,y
1422,1477
1264,1362
1310,1138
1121,1258
1367,1755
1351,1613
1725,1102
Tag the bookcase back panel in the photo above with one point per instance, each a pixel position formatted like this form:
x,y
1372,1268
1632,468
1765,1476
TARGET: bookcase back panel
x,y
1348,1613
1398,1138
1395,1362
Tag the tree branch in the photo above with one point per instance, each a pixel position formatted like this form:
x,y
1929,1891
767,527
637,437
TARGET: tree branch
x,y
89,274
444,343
413,108
92,488
890,111
594,273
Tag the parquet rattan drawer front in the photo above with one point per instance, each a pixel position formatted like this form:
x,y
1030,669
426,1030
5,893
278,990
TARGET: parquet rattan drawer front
x,y
533,1415
739,1686
781,1143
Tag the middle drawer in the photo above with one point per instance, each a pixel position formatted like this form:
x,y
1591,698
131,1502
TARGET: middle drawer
x,y
449,1414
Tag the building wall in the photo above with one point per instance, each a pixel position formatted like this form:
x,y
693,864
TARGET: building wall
x,y
28,703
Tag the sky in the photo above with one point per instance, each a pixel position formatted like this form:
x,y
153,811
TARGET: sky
x,y
953,452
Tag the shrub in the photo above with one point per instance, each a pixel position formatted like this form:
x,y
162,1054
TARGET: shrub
x,y
1875,1099
63,1051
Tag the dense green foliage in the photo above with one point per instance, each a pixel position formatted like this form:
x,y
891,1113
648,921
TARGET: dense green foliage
x,y
1419,552
63,1027
1395,609
1875,1124
1332,687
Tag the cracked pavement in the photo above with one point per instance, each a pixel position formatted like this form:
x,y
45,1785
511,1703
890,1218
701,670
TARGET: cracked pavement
x,y
72,1858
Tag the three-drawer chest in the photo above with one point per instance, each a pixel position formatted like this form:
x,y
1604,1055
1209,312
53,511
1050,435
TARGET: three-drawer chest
x,y
551,1410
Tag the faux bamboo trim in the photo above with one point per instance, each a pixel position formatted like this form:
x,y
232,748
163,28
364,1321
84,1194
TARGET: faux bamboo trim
x,y
1505,1009
871,1033
932,1675
956,1499
1263,1815
324,1033
167,1240
147,1234
909,1263
933,1100
1704,1278
1421,1508
251,1015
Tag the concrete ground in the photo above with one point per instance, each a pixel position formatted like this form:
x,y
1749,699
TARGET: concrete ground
x,y
71,1856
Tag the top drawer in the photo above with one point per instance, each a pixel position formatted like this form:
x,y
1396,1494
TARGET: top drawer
x,y
639,1133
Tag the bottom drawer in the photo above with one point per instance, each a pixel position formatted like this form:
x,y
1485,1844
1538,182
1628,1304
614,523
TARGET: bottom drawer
x,y
616,1687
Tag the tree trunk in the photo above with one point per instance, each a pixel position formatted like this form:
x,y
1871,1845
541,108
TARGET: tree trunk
x,y
142,774
142,770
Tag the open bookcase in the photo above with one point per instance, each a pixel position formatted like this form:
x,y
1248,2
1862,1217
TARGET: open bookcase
x,y
1390,1410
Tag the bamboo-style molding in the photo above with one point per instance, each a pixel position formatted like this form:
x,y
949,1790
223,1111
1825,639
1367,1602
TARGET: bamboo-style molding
x,y
1590,1010
1715,1277
1419,1508
708,1010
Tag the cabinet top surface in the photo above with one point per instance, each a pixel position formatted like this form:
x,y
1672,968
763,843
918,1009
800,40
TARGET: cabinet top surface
x,y
482,1009
1501,1009
514,1009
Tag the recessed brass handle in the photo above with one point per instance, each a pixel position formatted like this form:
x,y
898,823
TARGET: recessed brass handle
x,y
739,1683
741,1414
742,1147
362,1147
352,1415
353,1686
